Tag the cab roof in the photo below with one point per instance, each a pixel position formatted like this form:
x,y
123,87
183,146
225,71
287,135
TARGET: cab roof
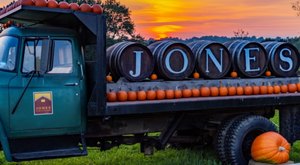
x,y
39,31
90,26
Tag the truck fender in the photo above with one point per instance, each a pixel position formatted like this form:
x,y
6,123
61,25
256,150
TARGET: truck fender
x,y
4,143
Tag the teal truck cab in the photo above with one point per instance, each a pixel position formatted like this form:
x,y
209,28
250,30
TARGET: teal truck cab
x,y
53,98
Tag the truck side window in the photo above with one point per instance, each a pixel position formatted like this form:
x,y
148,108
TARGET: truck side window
x,y
34,49
8,52
62,61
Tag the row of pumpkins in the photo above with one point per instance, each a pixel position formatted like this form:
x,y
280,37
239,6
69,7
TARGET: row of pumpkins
x,y
96,8
160,94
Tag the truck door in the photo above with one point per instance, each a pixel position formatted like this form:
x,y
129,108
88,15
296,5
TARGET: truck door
x,y
45,96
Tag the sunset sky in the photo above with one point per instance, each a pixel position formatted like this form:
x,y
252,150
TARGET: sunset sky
x,y
188,18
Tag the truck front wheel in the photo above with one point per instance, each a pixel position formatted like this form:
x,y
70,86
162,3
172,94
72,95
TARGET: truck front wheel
x,y
240,136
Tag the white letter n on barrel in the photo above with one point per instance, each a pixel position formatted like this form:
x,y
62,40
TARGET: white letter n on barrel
x,y
218,64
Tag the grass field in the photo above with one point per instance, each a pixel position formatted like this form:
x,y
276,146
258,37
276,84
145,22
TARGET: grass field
x,y
130,155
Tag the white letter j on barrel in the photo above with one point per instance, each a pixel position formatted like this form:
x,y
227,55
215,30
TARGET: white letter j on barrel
x,y
138,61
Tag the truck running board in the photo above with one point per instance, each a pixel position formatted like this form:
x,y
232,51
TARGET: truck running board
x,y
48,147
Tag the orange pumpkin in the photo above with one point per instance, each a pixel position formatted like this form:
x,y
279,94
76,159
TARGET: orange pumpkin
x,y
40,3
196,75
195,92
132,95
177,94
276,89
223,91
74,6
64,5
151,95
122,95
205,92
27,2
109,78
263,90
96,8
153,76
52,4
268,73
141,95
85,7
234,74
187,93
239,90
270,147
270,89
10,22
231,91
170,94
292,88
160,94
111,96
255,90
283,88
214,91
248,90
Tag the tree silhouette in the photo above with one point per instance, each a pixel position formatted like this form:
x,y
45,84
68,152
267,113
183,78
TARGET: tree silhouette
x,y
119,23
296,7
240,34
118,20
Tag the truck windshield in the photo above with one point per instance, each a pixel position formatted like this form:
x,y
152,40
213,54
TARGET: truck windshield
x,y
8,52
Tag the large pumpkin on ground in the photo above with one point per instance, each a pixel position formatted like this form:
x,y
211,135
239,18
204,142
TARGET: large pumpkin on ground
x,y
270,147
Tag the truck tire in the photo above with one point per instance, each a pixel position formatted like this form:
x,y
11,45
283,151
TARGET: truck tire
x,y
219,142
241,135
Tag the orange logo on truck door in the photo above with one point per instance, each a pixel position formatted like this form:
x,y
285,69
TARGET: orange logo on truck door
x,y
43,104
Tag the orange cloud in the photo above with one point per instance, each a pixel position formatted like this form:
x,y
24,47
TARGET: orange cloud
x,y
164,30
213,17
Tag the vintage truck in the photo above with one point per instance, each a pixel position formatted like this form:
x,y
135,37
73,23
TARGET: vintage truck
x,y
53,98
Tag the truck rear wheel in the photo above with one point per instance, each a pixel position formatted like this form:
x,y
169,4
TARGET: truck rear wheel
x,y
220,141
240,136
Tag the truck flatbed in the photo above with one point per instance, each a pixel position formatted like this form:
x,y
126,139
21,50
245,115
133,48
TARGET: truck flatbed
x,y
200,103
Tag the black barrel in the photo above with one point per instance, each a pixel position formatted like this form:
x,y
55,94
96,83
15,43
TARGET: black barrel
x,y
213,59
131,60
173,60
249,59
283,58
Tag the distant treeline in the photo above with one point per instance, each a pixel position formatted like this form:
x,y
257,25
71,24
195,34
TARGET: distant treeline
x,y
294,40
